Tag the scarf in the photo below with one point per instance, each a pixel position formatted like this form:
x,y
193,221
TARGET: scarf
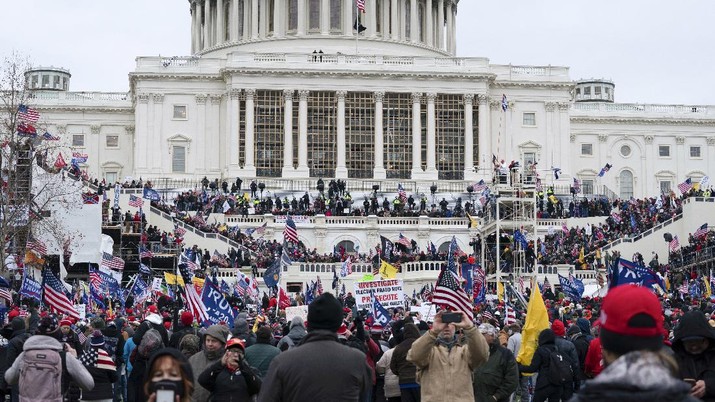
x,y
447,343
99,358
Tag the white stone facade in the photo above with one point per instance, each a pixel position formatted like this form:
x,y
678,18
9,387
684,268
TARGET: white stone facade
x,y
258,99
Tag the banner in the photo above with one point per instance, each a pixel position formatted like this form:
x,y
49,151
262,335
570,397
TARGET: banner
x,y
217,307
81,309
388,292
114,274
31,288
281,219
156,285
297,311
117,191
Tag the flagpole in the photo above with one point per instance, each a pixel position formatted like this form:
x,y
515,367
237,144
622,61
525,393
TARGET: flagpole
x,y
357,26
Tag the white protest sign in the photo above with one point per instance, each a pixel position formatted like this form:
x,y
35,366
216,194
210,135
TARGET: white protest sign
x,y
426,310
297,311
388,292
81,310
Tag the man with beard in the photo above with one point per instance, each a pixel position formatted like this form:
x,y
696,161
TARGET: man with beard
x,y
498,378
214,342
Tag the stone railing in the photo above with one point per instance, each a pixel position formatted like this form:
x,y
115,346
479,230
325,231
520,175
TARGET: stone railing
x,y
70,97
642,108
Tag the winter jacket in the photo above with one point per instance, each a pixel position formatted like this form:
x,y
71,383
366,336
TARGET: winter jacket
x,y
17,340
227,386
700,366
498,377
405,370
260,356
541,361
446,374
113,335
342,372
594,359
242,331
103,384
392,381
202,360
581,343
638,376
175,339
567,348
295,335
153,320
76,370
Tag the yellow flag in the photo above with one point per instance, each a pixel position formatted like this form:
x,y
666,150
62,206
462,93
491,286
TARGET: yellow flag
x,y
708,291
198,281
500,291
473,222
172,279
667,284
537,320
387,270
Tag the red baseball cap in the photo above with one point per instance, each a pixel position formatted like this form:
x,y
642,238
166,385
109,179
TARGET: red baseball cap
x,y
632,310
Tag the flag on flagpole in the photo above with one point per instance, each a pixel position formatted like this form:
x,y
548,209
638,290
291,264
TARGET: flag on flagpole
x,y
135,202
37,246
145,253
290,233
112,262
360,5
537,320
604,170
55,295
387,270
674,244
28,114
702,231
685,186
448,293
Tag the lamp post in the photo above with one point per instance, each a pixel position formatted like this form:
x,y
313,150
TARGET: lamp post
x,y
470,190
261,186
433,190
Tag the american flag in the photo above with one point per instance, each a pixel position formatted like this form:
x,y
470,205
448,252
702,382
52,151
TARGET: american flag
x,y
448,293
27,114
55,295
135,202
196,305
319,287
5,294
95,280
404,241
80,335
360,5
674,244
702,231
509,315
480,186
522,287
401,193
546,285
37,246
426,293
347,267
145,253
685,186
684,288
49,137
179,231
191,265
290,233
112,262
576,185
487,315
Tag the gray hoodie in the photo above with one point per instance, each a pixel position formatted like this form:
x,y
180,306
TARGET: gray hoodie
x,y
76,370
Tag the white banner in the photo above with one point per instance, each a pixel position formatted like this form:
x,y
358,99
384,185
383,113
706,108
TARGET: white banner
x,y
297,311
388,292
156,284
296,218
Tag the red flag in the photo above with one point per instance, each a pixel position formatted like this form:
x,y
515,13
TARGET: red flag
x,y
283,299
60,162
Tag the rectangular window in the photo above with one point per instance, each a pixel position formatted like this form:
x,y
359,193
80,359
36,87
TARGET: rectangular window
x,y
665,186
664,151
314,15
597,90
112,141
336,15
587,186
110,177
45,81
695,152
529,158
586,149
292,15
587,91
178,159
179,112
77,140
529,119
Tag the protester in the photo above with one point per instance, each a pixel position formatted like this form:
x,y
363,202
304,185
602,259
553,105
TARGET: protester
x,y
292,374
295,335
103,370
152,320
139,358
214,342
232,378
541,363
392,381
498,378
581,343
405,370
186,320
262,353
446,360
694,347
514,345
568,350
169,369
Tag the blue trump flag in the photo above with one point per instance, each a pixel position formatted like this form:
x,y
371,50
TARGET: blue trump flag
x,y
217,307
272,275
31,288
151,194
570,289
380,314
625,271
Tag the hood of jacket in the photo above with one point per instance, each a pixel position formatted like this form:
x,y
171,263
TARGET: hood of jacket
x,y
636,376
585,325
42,342
297,332
111,331
240,326
219,332
411,331
693,323
546,337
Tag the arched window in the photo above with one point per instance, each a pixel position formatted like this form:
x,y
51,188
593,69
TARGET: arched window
x,y
347,245
626,184
444,247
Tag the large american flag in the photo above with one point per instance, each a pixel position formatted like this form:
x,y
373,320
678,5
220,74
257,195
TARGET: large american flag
x,y
27,114
509,315
404,241
37,246
135,202
702,231
290,233
145,253
5,294
95,280
685,186
55,295
360,5
196,305
448,293
112,262
674,244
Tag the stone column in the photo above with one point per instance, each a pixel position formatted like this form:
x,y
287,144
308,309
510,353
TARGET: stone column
x,y
453,14
371,18
254,19
235,35
429,21
550,108
247,19
250,125
379,172
431,134
450,25
302,18
440,24
414,22
202,150
278,13
232,106
199,30
263,15
325,17
341,170
484,156
303,168
402,15
220,38
394,21
143,135
216,136
348,21
156,129
564,132
468,136
288,132
207,24
192,11
416,134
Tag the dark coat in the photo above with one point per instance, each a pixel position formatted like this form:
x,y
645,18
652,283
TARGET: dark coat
x,y
261,355
541,361
344,375
226,386
147,325
701,366
498,377
581,343
405,370
175,340
103,380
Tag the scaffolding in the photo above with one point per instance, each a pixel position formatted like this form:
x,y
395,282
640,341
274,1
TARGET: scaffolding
x,y
17,168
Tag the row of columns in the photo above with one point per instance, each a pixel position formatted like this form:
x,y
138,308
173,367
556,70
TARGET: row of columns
x,y
303,170
208,21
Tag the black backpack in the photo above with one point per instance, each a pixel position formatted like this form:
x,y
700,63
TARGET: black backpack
x,y
560,370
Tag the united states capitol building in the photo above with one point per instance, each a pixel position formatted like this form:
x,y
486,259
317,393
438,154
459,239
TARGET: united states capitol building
x,y
288,91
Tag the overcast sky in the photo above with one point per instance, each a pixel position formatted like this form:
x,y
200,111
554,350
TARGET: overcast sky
x,y
656,51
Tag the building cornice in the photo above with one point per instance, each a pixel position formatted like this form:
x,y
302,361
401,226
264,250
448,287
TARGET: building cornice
x,y
353,73
88,108
538,84
643,120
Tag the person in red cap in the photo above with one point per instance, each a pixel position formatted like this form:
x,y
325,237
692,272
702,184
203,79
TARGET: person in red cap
x,y
231,378
637,367
186,321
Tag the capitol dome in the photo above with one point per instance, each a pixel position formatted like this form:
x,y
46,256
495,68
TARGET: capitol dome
x,y
395,27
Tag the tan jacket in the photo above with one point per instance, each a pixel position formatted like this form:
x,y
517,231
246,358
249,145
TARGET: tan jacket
x,y
447,375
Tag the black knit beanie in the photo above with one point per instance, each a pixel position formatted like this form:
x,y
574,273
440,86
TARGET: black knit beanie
x,y
325,312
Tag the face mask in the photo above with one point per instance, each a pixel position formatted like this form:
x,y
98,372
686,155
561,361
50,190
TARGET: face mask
x,y
177,386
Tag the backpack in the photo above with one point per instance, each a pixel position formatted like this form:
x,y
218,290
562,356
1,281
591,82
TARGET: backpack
x,y
41,376
559,369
